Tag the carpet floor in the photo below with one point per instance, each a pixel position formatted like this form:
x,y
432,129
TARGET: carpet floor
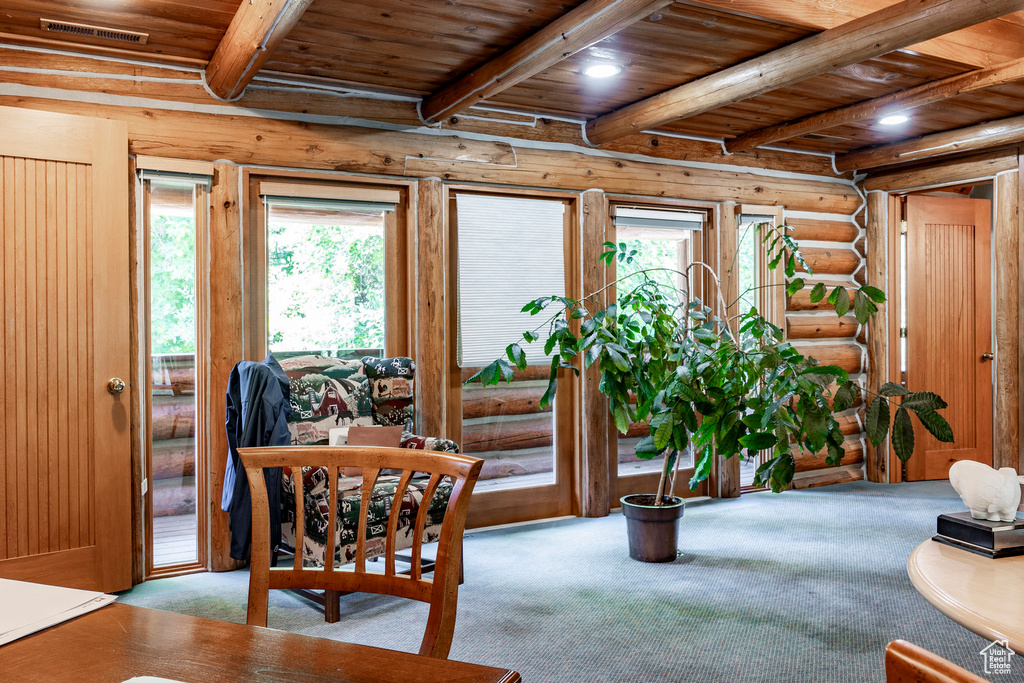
x,y
803,586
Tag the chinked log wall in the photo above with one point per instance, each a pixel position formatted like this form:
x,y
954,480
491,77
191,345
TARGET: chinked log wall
x,y
320,127
834,249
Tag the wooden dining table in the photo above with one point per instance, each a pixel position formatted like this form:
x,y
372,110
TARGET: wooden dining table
x,y
119,642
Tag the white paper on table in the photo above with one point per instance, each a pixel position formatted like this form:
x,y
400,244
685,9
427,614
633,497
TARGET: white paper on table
x,y
31,607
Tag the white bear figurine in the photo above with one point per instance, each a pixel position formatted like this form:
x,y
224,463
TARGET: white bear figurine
x,y
988,493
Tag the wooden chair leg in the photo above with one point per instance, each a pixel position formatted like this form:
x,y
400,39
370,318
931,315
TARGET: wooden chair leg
x,y
332,606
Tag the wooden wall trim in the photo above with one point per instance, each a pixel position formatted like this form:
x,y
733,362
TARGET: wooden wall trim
x,y
431,304
139,382
225,345
876,234
1005,452
596,446
729,469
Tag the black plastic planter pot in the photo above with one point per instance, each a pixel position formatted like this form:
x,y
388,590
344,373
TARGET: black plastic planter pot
x,y
653,530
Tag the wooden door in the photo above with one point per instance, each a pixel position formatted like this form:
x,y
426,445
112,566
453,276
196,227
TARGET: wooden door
x,y
949,327
65,478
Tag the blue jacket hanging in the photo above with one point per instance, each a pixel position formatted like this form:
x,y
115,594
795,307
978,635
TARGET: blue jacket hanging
x,y
257,410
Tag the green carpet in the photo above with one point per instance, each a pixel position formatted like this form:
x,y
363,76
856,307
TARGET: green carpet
x,y
803,586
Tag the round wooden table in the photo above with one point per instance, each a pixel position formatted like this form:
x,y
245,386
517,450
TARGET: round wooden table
x,y
979,593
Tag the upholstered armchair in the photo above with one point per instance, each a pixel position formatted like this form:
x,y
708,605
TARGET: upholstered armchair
x,y
330,392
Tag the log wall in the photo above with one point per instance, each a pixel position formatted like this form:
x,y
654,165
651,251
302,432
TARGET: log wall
x,y
834,249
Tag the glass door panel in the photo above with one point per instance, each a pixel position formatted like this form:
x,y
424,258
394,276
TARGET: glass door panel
x,y
173,340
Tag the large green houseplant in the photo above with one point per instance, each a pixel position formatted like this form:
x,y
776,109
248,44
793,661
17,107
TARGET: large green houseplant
x,y
726,386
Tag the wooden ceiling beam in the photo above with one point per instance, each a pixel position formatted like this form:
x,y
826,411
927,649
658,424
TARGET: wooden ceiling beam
x,y
982,136
993,43
868,110
588,23
257,28
892,28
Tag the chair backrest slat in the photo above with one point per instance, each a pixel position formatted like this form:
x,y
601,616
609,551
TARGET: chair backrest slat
x,y
421,522
332,516
440,592
369,482
300,515
396,512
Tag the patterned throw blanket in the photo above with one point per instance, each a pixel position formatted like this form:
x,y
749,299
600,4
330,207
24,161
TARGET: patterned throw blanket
x,y
350,489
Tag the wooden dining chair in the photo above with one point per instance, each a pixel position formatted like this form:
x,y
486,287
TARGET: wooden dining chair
x,y
441,591
908,663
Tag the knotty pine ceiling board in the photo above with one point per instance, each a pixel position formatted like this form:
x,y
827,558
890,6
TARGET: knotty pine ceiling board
x,y
408,45
182,28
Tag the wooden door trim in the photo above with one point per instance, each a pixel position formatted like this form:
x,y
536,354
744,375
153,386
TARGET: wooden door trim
x,y
564,496
1002,297
399,314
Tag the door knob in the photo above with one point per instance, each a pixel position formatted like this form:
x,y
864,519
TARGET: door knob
x,y
988,355
116,385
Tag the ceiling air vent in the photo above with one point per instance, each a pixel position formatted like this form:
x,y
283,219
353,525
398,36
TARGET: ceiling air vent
x,y
74,31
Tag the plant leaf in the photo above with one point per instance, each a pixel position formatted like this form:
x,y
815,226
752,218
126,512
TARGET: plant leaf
x,y
795,286
818,293
877,420
903,435
516,355
845,396
758,441
876,295
842,302
935,424
892,389
923,400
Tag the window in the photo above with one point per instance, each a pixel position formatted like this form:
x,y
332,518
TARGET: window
x,y
510,251
756,287
326,269
665,244
174,208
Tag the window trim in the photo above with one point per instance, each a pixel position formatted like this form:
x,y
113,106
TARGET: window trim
x,y
399,279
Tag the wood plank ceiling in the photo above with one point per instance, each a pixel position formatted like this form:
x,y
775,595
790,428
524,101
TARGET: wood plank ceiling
x,y
415,47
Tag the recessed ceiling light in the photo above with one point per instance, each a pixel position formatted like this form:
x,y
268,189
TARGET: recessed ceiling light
x,y
602,70
893,119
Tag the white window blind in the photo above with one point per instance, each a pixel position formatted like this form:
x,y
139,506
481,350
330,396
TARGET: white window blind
x,y
510,252
629,217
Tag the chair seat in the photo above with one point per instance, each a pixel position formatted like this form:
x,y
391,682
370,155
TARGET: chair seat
x,y
350,491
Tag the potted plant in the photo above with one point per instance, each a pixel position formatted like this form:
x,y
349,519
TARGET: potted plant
x,y
731,386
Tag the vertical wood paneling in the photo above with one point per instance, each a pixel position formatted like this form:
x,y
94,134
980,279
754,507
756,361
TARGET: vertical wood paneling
x,y
33,365
52,332
46,388
76,424
85,481
59,254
